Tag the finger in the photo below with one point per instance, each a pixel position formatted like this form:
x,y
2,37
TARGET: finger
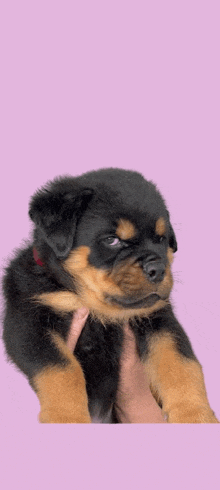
x,y
129,337
129,350
78,322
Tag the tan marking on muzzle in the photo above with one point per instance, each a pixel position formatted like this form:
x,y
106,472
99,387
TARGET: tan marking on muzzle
x,y
94,285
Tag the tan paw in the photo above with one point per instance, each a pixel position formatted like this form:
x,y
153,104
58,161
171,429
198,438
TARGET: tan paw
x,y
196,415
56,417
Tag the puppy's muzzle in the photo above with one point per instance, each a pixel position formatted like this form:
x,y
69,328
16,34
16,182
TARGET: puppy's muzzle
x,y
131,303
154,269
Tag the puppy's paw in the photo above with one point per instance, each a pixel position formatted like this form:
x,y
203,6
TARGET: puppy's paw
x,y
51,416
191,415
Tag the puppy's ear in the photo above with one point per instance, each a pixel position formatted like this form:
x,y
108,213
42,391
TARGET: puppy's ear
x,y
55,211
172,239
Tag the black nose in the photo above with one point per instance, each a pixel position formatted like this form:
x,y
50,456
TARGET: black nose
x,y
154,269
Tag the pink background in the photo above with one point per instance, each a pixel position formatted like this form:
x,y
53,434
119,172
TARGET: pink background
x,y
130,84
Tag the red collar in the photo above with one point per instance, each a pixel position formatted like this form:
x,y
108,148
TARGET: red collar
x,y
36,257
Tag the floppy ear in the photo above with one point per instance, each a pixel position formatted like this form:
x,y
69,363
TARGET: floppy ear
x,y
56,212
172,239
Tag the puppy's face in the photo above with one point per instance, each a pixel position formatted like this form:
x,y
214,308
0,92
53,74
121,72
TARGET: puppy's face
x,y
121,251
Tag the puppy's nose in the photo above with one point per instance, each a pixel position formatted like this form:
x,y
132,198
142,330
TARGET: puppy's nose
x,y
154,269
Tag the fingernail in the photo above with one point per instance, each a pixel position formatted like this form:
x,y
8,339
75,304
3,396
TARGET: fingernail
x,y
81,313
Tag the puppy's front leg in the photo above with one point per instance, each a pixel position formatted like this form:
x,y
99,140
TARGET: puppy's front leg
x,y
62,390
178,382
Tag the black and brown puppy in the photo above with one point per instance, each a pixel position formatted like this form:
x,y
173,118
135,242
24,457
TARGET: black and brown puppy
x,y
104,241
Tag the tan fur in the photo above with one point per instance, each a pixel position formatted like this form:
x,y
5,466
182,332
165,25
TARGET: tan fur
x,y
130,278
125,230
89,277
60,300
103,311
93,284
160,226
170,255
178,382
62,391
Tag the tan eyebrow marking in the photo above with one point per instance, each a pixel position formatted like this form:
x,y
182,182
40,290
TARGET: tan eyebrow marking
x,y
125,229
160,227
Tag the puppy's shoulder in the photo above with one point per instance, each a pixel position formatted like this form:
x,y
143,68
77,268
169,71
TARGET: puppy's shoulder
x,y
23,277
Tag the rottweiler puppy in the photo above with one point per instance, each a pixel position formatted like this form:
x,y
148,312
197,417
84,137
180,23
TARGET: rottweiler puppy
x,y
102,240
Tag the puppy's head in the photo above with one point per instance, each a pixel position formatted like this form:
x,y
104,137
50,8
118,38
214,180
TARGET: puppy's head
x,y
110,232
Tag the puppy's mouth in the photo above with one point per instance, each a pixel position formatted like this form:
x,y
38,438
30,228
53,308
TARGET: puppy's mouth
x,y
145,302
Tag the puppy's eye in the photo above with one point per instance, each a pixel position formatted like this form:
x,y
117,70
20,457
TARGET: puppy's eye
x,y
112,241
162,239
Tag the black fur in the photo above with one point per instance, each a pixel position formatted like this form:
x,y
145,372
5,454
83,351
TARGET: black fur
x,y
68,213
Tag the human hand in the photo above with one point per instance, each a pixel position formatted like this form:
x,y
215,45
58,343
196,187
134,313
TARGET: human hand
x,y
78,322
135,402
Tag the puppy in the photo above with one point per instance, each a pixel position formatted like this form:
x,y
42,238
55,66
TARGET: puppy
x,y
104,241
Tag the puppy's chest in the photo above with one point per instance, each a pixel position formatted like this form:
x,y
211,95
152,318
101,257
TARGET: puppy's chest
x,y
98,351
